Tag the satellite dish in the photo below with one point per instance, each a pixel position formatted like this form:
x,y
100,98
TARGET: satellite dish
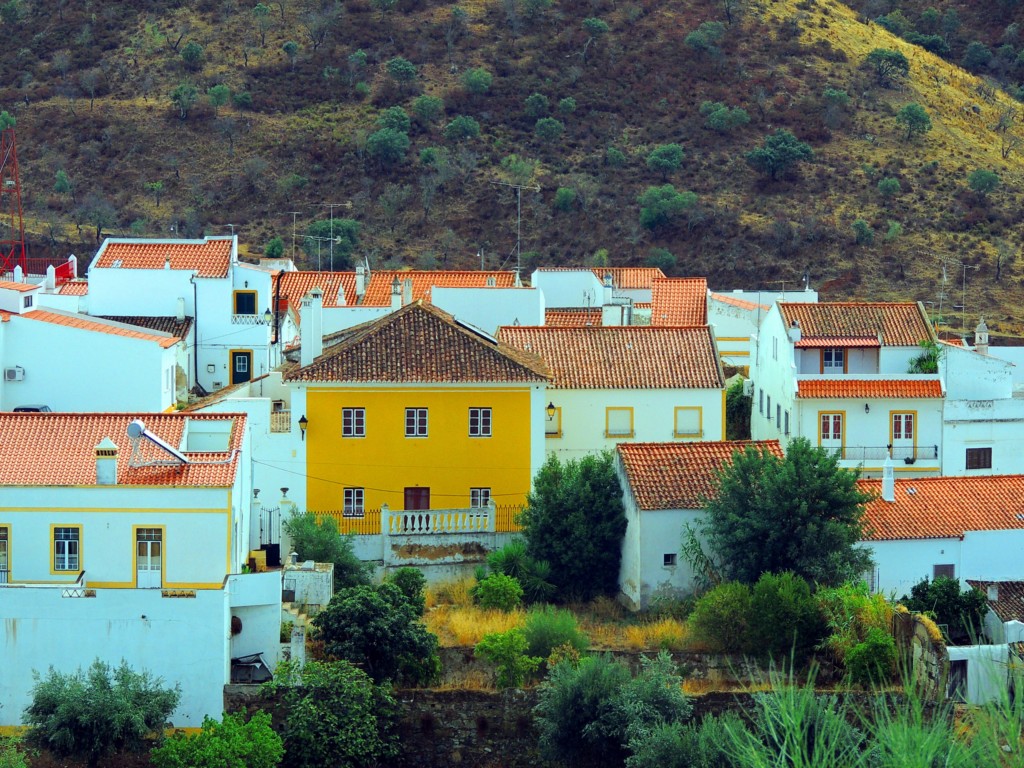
x,y
136,428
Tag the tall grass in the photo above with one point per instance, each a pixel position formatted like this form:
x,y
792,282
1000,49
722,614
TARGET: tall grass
x,y
457,626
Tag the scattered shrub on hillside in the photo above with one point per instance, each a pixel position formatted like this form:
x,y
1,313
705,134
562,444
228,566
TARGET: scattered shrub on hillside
x,y
536,105
567,105
394,118
508,652
983,181
888,188
721,119
565,199
387,146
661,206
402,71
547,628
893,231
976,56
498,591
461,128
427,109
662,259
705,38
721,617
914,120
888,65
863,234
477,81
614,157
665,159
548,129
778,154
872,663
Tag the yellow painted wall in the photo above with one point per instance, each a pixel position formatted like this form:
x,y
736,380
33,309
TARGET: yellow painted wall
x,y
448,460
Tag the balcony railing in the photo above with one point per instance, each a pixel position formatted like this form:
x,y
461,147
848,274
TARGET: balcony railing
x,y
908,454
281,421
5,575
499,519
247,320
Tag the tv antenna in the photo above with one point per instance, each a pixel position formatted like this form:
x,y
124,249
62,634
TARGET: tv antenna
x,y
519,213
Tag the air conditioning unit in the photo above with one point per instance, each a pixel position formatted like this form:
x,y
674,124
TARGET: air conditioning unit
x,y
17,373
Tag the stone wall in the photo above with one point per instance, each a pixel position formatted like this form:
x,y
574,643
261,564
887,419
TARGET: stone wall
x,y
923,652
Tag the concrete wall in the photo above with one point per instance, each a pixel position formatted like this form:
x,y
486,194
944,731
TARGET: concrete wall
x,y
569,288
902,564
255,598
490,308
987,671
733,326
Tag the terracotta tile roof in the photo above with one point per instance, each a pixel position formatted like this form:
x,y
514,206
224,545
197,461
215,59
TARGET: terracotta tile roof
x,y
838,341
572,318
211,257
9,285
643,305
944,507
679,301
900,324
736,302
626,278
378,292
680,475
74,288
419,343
295,285
97,325
622,357
859,388
1010,603
58,449
163,324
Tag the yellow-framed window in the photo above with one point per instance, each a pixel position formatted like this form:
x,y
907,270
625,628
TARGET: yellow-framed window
x,y
618,422
66,543
245,302
689,421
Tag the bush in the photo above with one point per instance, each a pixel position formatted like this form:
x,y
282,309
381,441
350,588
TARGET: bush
x,y
850,611
661,258
498,591
321,542
536,105
983,181
778,154
863,234
614,157
888,187
660,206
514,560
565,199
94,713
548,129
387,146
477,81
427,108
665,159
721,119
507,650
461,128
963,613
274,249
548,628
567,105
720,618
872,663
11,755
412,583
395,118
784,617
233,742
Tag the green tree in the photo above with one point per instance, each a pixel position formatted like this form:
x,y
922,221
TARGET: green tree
x,y
536,105
548,129
863,234
737,412
976,56
232,743
89,715
402,71
218,96
336,716
705,38
659,206
62,185
565,199
274,249
7,120
800,513
356,63
427,108
663,259
387,146
888,65
395,118
264,21
962,613
462,128
507,651
192,55
914,120
319,540
379,629
184,98
566,106
477,81
665,159
983,182
291,50
888,188
778,154
155,188
574,520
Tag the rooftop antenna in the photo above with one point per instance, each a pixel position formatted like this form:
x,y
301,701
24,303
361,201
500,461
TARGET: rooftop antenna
x,y
519,214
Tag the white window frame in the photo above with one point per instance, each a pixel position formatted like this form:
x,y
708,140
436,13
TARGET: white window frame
x,y
479,497
480,422
353,422
416,422
67,548
354,502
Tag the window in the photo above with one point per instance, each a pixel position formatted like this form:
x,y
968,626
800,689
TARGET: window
x,y
775,348
768,413
831,430
66,548
979,458
618,422
353,422
778,415
688,422
903,426
27,303
245,302
786,431
353,502
668,560
479,422
5,561
948,570
760,401
479,497
553,424
833,360
241,363
415,422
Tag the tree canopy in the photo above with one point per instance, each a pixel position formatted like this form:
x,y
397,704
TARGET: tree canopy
x,y
800,513
778,154
962,613
320,541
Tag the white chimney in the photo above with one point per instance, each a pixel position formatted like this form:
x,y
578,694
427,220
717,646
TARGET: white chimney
x,y
167,262
992,593
607,283
407,291
106,462
888,481
396,294
51,278
611,314
981,338
311,337
360,282
180,314
795,334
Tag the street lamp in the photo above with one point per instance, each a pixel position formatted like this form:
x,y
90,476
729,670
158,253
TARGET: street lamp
x,y
303,423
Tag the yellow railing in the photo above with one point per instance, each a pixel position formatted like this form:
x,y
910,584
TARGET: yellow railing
x,y
505,518
367,525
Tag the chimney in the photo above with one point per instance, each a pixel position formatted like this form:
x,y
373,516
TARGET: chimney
x,y
311,337
992,593
106,462
607,283
888,481
396,294
795,334
360,282
180,314
981,338
167,262
407,291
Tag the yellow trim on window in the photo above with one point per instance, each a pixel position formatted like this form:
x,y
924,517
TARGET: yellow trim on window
x,y
732,338
607,421
842,438
915,423
53,550
255,302
557,418
163,553
700,421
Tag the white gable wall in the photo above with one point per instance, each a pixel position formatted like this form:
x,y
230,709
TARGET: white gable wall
x,y
490,308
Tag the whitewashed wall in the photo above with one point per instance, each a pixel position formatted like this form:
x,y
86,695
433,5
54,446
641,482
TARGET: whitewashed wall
x,y
902,564
569,288
733,327
490,308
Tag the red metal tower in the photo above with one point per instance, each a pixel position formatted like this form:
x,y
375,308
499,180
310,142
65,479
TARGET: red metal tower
x,y
12,225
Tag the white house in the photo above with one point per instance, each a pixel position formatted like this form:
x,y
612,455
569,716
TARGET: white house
x,y
73,362
231,303
664,484
836,373
961,527
1005,620
613,384
575,296
736,315
124,536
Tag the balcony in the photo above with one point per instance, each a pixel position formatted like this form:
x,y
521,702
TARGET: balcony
x,y
491,519
908,454
248,320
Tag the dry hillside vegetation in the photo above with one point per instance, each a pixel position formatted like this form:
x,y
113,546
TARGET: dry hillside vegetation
x,y
90,91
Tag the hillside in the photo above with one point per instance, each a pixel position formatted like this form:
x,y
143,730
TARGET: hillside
x,y
90,91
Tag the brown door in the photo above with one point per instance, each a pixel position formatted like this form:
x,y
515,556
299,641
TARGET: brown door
x,y
417,498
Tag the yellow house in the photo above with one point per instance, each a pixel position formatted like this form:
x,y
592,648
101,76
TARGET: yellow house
x,y
418,411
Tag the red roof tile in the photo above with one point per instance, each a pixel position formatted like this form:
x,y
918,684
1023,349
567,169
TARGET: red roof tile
x,y
58,449
626,278
944,507
9,285
418,343
97,326
74,288
838,341
859,388
210,257
737,302
295,285
378,292
680,475
1009,602
679,301
572,318
622,357
900,324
